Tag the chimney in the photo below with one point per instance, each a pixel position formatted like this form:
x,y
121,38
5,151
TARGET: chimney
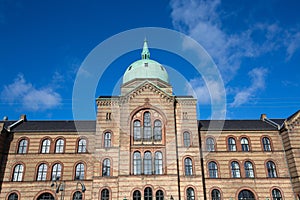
x,y
263,117
23,117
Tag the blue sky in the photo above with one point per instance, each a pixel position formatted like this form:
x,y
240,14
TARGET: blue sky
x,y
255,45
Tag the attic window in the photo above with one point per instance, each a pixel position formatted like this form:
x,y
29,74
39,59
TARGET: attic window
x,y
162,68
129,68
146,64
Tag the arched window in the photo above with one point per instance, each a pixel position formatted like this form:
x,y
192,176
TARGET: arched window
x,y
190,194
147,126
266,144
148,193
276,194
213,169
107,139
137,130
56,171
157,130
187,139
271,167
158,163
45,146
81,146
137,195
18,173
46,196
105,194
215,194
13,196
147,163
59,146
188,166
245,144
22,148
249,172
106,167
42,172
159,195
77,195
210,144
246,195
235,170
79,171
231,144
137,163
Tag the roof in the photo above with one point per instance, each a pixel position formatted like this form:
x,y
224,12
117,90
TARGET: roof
x,y
90,125
63,126
237,125
145,68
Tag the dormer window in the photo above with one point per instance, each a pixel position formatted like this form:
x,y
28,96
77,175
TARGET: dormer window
x,y
146,64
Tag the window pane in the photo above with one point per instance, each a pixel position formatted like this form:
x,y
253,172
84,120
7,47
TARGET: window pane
x,y
22,146
158,162
276,194
56,172
45,146
246,195
249,172
82,146
42,172
79,171
190,194
266,144
18,173
106,167
137,130
147,163
245,144
147,126
271,170
188,165
137,195
13,196
215,194
157,130
137,163
210,144
148,193
77,196
105,194
59,146
235,170
107,139
187,139
213,170
45,196
159,195
231,144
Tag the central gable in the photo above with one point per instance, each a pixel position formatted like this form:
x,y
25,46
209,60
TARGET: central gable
x,y
147,91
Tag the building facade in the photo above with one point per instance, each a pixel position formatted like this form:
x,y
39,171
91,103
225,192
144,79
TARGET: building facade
x,y
148,144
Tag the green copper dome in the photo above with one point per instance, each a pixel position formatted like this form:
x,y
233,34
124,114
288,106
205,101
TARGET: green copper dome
x,y
145,68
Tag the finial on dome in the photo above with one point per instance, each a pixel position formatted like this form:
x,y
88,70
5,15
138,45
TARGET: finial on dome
x,y
145,52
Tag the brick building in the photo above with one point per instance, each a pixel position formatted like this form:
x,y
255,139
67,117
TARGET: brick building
x,y
148,144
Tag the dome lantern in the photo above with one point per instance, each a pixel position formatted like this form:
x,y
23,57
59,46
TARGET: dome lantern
x,y
145,68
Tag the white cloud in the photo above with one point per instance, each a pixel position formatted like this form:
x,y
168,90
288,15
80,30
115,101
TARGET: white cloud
x,y
293,43
257,76
202,20
29,97
199,89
